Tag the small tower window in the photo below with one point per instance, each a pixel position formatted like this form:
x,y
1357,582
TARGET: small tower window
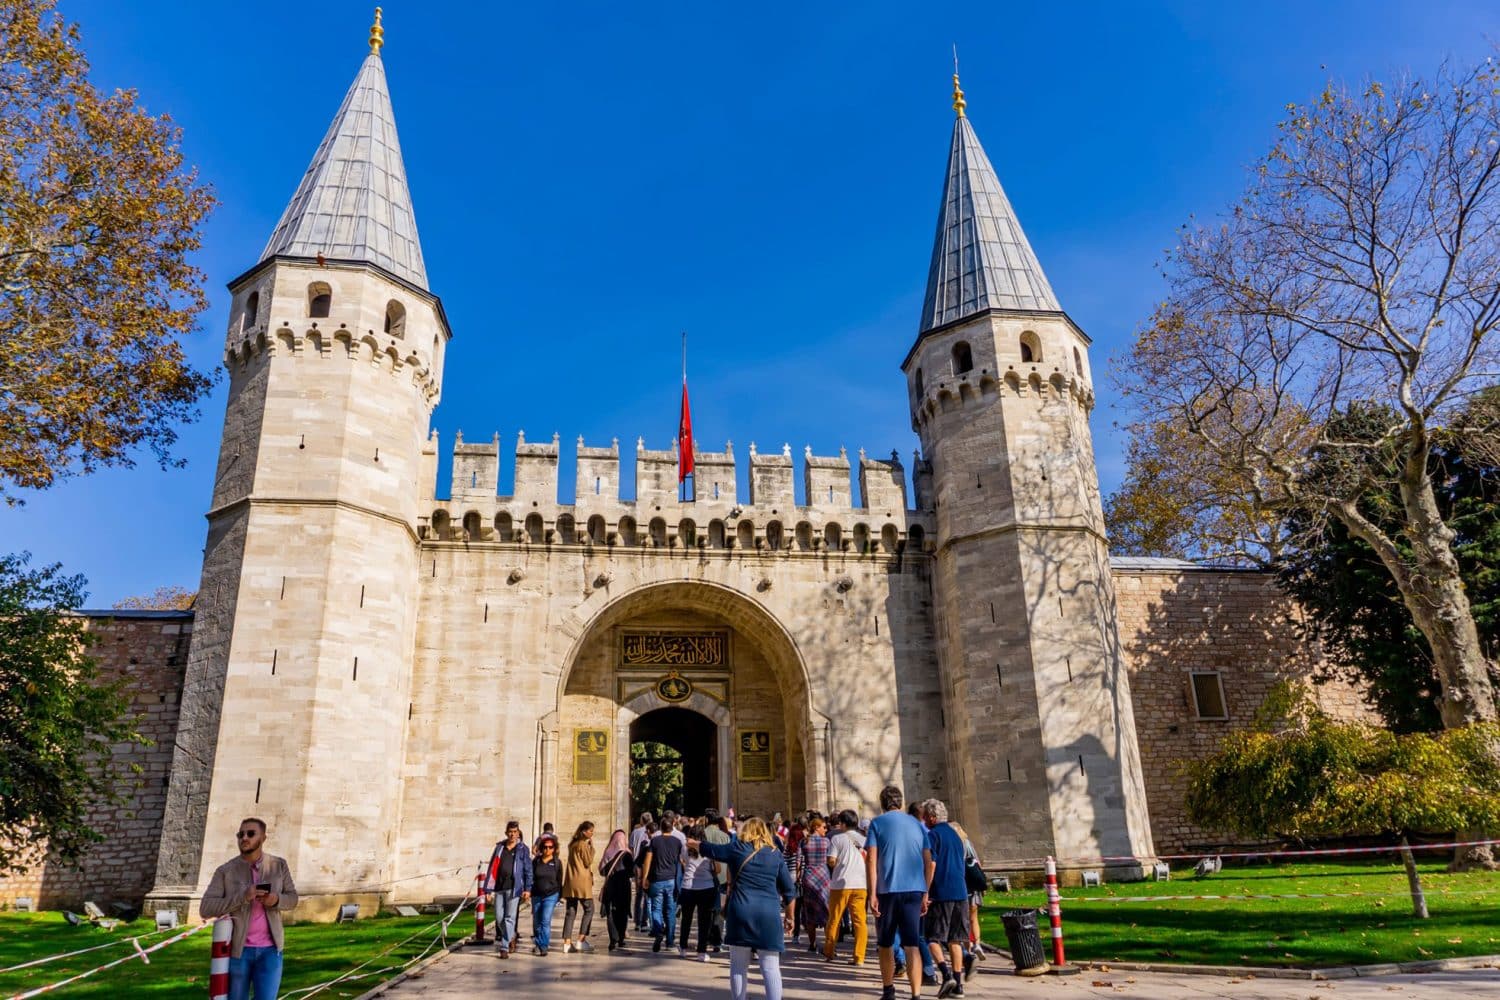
x,y
1031,349
395,319
252,310
919,384
1077,361
963,358
319,300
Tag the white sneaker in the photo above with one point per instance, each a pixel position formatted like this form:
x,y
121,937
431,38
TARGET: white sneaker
x,y
583,946
682,953
568,948
703,956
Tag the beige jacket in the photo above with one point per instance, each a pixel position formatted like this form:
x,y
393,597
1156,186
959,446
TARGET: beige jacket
x,y
232,883
578,882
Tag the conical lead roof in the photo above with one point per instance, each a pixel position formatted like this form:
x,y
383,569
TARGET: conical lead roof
x,y
353,203
980,257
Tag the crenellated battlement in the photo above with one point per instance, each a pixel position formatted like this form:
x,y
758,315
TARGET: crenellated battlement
x,y
341,344
1021,381
770,522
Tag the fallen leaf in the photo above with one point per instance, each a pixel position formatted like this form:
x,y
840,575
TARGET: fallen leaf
x,y
1103,982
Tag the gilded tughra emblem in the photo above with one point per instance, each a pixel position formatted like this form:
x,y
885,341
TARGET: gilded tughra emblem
x,y
674,688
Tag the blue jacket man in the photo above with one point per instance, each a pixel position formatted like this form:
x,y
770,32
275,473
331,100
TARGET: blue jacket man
x,y
509,879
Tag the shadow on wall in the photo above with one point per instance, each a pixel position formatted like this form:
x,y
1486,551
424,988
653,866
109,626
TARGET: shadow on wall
x,y
908,705
1204,647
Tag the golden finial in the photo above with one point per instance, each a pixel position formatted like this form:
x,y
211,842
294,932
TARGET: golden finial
x,y
958,94
377,34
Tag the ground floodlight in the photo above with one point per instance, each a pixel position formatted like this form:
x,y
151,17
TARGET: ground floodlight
x,y
347,912
24,904
1162,872
72,918
1000,883
166,919
1091,878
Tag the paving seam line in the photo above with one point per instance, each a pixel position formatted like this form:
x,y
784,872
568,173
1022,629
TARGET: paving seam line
x,y
1310,975
417,969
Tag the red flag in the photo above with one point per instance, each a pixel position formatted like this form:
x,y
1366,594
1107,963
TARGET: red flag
x,y
684,439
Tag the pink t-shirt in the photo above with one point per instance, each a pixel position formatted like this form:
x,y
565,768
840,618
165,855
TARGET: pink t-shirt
x,y
258,933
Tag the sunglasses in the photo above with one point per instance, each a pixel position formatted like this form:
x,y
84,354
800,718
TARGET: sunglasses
x,y
245,834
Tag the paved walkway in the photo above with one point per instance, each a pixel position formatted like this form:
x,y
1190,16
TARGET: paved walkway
x,y
477,972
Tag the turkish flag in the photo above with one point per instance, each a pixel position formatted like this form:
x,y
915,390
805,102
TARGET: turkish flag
x,y
684,440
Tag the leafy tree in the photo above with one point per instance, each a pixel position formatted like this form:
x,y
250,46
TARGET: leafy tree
x,y
656,777
98,215
57,719
1299,774
172,598
1353,604
1361,268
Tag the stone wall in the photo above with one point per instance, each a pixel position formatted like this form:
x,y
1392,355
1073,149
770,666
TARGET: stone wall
x,y
148,650
1177,619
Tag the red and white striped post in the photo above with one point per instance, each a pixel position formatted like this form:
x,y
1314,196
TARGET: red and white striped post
x,y
479,907
218,962
1054,910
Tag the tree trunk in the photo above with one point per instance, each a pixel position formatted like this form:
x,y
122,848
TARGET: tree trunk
x,y
1439,605
1413,882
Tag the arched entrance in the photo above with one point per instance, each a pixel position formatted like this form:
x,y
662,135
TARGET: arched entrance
x,y
673,762
712,672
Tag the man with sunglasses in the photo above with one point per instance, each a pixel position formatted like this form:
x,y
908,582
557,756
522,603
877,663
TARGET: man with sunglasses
x,y
254,890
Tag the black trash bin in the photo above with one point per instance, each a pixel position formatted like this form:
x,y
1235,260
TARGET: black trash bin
x,y
1025,939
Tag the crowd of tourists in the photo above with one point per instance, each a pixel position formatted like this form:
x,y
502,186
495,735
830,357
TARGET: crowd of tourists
x,y
698,886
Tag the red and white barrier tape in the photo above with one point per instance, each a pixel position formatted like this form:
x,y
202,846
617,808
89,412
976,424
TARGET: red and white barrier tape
x,y
1304,853
70,954
140,953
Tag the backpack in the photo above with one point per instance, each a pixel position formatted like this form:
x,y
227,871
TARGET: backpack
x,y
974,877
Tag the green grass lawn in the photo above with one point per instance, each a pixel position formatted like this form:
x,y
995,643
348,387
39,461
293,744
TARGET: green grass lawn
x,y
315,954
1307,933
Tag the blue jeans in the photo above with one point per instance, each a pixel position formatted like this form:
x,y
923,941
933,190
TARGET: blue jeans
x,y
256,967
929,967
660,897
541,919
508,911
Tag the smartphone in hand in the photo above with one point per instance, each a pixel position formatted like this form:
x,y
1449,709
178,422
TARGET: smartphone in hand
x,y
263,886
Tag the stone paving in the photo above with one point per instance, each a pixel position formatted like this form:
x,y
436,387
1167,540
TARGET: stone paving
x,y
478,972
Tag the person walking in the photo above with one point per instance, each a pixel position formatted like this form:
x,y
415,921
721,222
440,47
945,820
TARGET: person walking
x,y
617,868
716,831
253,889
698,894
659,880
846,885
639,838
759,911
894,863
546,890
578,888
509,879
975,951
814,883
945,924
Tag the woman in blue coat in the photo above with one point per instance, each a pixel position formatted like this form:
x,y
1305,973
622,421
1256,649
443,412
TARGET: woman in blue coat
x,y
757,916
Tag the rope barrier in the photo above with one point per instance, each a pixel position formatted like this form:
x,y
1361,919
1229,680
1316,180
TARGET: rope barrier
x,y
1393,894
1301,853
139,953
80,951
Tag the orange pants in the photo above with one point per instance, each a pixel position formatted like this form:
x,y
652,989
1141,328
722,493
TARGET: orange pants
x,y
855,900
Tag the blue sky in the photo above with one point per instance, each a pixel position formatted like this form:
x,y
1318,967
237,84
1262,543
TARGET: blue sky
x,y
592,179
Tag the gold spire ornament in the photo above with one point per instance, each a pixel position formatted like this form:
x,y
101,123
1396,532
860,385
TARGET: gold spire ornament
x,y
377,35
958,94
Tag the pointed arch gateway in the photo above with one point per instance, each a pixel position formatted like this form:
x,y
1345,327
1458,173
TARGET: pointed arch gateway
x,y
725,666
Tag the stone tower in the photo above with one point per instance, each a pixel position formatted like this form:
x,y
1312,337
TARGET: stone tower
x,y
1041,738
297,687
